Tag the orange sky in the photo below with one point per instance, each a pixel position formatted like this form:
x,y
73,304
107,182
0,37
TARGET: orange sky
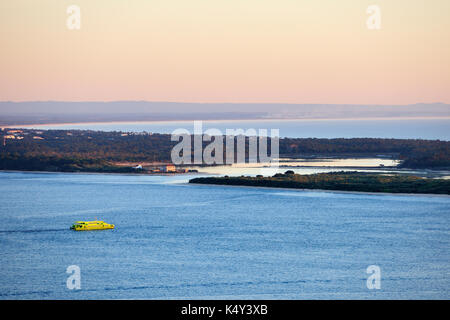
x,y
296,51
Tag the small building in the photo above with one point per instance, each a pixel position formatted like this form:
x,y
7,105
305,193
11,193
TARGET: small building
x,y
38,138
14,131
168,168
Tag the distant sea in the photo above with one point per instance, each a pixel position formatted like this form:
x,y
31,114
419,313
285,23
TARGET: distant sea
x,y
430,129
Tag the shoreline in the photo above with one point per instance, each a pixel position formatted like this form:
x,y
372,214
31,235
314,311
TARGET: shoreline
x,y
380,170
99,173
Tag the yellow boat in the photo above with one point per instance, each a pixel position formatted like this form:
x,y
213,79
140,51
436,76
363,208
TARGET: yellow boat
x,y
91,225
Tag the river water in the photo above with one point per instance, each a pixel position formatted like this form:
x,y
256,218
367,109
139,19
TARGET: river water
x,y
174,240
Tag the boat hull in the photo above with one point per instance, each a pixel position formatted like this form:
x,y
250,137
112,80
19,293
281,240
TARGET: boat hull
x,y
91,225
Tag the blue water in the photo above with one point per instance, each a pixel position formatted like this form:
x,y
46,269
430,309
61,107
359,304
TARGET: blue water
x,y
400,129
173,240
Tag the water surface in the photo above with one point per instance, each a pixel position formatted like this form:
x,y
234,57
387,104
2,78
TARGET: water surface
x,y
307,128
173,240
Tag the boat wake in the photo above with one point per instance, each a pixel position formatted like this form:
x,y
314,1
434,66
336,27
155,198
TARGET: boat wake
x,y
33,230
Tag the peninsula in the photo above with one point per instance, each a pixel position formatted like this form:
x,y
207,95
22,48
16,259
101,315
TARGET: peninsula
x,y
341,181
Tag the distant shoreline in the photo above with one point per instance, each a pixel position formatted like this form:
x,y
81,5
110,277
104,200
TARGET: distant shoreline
x,y
272,119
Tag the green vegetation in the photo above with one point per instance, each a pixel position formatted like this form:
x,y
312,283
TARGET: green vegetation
x,y
61,164
414,153
86,150
343,181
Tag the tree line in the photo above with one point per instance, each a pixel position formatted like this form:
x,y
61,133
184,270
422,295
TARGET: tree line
x,y
343,181
74,150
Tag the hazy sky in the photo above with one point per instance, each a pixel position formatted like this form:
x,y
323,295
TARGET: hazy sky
x,y
294,51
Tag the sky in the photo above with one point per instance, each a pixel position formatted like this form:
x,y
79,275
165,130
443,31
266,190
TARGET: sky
x,y
249,51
